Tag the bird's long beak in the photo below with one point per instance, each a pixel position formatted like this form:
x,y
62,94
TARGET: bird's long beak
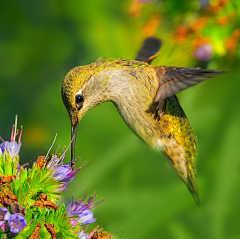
x,y
73,136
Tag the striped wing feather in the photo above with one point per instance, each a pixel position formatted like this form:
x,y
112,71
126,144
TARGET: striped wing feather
x,y
176,79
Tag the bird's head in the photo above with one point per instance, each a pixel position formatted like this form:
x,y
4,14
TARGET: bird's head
x,y
85,87
81,91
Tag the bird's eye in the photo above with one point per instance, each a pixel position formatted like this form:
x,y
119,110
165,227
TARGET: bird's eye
x,y
79,99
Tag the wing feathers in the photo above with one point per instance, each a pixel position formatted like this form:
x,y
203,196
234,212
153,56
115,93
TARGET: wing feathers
x,y
176,79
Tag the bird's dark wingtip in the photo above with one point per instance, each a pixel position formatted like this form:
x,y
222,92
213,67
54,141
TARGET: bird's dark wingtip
x,y
193,188
211,71
196,198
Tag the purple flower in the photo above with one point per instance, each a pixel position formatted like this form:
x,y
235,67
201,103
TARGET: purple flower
x,y
76,207
12,147
87,217
17,223
83,235
81,210
203,52
4,216
64,173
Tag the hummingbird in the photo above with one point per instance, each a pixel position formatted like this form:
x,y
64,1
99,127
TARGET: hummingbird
x,y
145,97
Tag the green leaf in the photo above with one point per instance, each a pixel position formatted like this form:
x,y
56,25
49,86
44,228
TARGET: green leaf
x,y
32,182
8,166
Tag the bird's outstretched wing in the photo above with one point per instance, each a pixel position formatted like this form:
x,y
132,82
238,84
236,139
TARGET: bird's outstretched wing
x,y
176,79
149,50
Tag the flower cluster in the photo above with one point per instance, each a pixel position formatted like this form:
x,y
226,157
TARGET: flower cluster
x,y
28,197
13,222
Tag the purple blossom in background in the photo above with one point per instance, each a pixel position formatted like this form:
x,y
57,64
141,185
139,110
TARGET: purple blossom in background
x,y
204,3
203,52
87,217
83,235
17,223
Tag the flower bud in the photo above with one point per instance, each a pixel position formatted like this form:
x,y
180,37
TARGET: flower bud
x,y
12,147
87,217
64,173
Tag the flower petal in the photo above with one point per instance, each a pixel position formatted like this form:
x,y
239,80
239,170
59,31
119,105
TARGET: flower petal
x,y
87,217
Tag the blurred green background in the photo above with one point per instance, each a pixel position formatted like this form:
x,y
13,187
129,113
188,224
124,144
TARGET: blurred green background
x,y
40,41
